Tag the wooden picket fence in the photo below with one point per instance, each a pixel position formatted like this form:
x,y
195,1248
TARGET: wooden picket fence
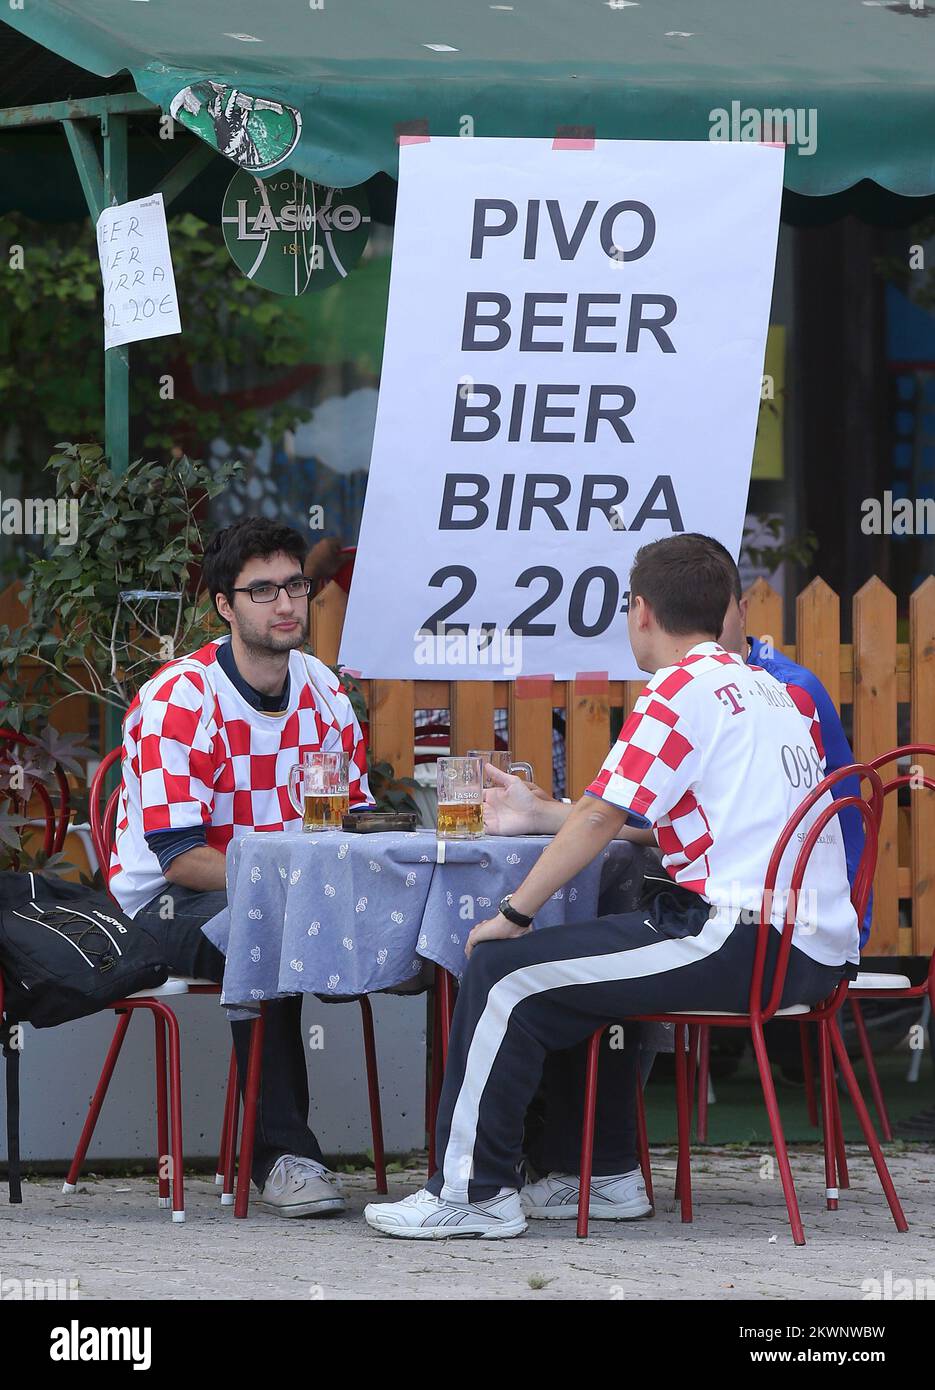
x,y
874,673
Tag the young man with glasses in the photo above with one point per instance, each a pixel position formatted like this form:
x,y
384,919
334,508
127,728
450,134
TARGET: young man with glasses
x,y
207,748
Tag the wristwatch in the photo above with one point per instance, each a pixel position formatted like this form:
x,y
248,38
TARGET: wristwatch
x,y
512,914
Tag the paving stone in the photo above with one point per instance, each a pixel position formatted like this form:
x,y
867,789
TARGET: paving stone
x,y
116,1243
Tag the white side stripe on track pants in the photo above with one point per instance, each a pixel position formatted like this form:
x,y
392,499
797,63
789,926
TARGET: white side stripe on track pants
x,y
640,962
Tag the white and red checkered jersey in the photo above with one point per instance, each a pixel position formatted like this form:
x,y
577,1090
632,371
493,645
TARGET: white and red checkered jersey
x,y
716,756
196,753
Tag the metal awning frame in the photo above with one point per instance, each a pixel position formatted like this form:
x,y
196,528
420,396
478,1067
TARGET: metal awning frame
x,y
104,179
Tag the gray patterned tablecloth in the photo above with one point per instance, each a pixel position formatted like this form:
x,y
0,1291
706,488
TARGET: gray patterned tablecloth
x,y
341,914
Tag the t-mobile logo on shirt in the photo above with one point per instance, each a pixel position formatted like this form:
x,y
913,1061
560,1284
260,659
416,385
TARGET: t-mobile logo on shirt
x,y
729,695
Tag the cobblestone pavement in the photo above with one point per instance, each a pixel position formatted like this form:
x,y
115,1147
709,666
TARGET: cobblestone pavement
x,y
110,1241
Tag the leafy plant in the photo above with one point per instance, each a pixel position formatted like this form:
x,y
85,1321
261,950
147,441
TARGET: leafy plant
x,y
762,544
94,625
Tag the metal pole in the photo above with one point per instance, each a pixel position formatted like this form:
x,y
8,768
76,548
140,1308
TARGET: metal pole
x,y
116,359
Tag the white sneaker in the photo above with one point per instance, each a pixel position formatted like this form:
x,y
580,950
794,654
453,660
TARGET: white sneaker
x,y
422,1216
621,1197
301,1187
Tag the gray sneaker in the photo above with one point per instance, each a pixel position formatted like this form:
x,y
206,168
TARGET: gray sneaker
x,y
301,1187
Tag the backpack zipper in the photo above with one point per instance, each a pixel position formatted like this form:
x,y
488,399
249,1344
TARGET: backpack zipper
x,y
75,913
49,927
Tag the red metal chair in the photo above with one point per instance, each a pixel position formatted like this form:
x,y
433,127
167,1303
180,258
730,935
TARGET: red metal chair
x,y
868,985
703,1051
758,1014
167,1042
871,985
56,826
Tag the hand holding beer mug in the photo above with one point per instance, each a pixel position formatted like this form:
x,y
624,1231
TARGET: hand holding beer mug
x,y
460,798
318,790
503,759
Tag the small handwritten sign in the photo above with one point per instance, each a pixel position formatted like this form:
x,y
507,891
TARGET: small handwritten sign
x,y
140,299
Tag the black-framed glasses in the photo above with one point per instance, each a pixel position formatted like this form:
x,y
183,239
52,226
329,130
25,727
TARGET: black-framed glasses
x,y
269,593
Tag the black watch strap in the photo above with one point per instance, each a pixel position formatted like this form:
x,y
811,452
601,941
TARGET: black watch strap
x,y
512,914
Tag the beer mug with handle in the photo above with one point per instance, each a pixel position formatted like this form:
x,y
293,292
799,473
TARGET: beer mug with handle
x,y
318,790
502,759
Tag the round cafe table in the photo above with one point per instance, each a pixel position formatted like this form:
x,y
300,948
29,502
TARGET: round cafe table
x,y
340,914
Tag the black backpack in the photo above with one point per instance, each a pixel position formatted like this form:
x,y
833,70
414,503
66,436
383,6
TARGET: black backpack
x,y
65,952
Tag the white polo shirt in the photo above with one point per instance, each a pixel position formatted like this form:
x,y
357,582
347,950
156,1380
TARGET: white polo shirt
x,y
716,757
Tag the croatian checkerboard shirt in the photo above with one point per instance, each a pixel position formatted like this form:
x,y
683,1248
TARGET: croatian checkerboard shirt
x,y
716,756
195,753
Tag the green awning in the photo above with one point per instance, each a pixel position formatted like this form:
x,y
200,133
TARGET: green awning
x,y
857,75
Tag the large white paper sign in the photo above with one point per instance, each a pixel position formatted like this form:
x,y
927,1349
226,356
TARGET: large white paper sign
x,y
140,300
573,367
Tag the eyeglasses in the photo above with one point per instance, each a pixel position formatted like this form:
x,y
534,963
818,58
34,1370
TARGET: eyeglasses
x,y
269,593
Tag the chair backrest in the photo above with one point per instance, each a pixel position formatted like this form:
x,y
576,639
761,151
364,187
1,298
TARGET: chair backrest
x,y
102,820
905,779
871,811
56,826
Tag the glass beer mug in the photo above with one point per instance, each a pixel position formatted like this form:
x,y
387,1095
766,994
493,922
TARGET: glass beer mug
x,y
460,798
503,760
318,790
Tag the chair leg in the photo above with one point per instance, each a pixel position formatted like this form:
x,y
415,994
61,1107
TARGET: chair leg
x,y
828,1117
163,1164
683,1176
693,1029
250,1102
643,1143
97,1100
704,1072
844,1181
225,1124
587,1133
866,1125
175,1112
876,1090
232,1111
779,1139
808,1074
373,1091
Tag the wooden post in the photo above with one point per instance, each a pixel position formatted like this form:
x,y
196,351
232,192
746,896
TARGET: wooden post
x,y
818,635
327,620
764,613
587,724
922,802
392,725
471,716
529,706
875,733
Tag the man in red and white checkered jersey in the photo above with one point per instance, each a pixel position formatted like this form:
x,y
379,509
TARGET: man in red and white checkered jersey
x,y
199,757
714,759
207,748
